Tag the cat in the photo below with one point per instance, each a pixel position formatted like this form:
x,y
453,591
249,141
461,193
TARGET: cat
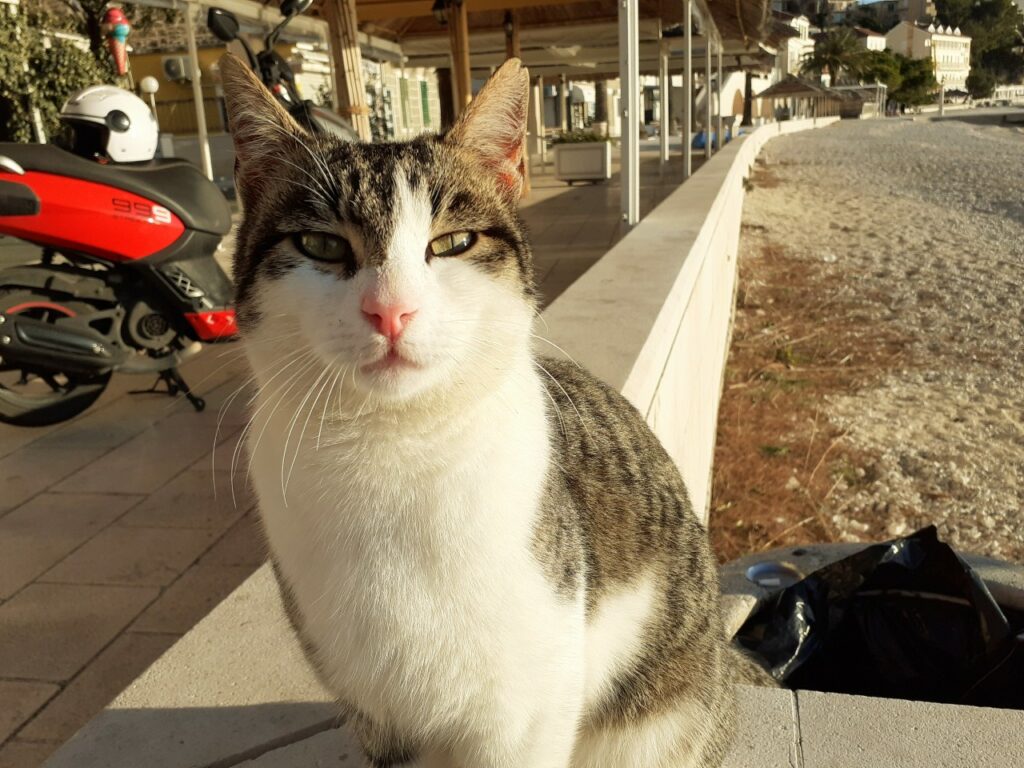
x,y
487,555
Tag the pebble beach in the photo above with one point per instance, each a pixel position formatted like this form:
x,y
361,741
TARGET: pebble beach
x,y
921,223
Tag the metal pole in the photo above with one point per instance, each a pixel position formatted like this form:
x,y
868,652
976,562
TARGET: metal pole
x,y
537,95
688,90
707,91
197,93
629,79
665,83
718,90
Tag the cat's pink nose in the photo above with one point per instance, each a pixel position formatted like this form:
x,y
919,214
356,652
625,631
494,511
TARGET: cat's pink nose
x,y
388,319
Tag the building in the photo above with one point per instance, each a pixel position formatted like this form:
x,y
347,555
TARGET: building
x,y
919,11
949,50
873,41
795,49
886,14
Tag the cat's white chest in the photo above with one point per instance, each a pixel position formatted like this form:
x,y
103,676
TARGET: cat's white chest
x,y
409,557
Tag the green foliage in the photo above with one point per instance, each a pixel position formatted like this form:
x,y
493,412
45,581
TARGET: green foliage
x,y
840,52
882,67
86,18
34,74
981,83
578,136
996,29
918,84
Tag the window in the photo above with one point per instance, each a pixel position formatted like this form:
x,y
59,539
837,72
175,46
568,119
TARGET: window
x,y
403,90
425,101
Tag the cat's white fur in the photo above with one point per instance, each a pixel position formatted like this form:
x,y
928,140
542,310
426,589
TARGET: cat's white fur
x,y
401,508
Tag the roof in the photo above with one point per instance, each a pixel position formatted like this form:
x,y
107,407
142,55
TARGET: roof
x,y
793,86
865,32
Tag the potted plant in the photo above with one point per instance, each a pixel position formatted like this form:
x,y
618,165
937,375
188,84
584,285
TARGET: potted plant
x,y
582,156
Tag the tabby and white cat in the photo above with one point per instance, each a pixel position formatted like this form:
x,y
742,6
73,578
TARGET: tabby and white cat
x,y
487,555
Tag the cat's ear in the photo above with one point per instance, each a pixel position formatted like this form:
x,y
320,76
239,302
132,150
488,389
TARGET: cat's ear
x,y
493,127
259,124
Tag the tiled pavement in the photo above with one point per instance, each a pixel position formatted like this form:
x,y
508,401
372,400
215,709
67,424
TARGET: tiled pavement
x,y
118,530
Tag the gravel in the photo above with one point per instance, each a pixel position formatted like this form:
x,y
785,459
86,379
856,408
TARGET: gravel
x,y
924,222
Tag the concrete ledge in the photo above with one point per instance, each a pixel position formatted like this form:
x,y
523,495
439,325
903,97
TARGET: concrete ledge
x,y
653,316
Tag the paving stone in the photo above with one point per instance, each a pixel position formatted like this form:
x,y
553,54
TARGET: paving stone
x,y
133,556
25,754
39,533
33,469
147,461
197,498
334,748
237,685
50,631
199,590
96,686
243,544
19,700
838,730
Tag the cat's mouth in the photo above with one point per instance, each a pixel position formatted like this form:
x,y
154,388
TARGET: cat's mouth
x,y
391,360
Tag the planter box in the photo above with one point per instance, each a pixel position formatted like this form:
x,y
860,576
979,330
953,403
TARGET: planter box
x,y
586,161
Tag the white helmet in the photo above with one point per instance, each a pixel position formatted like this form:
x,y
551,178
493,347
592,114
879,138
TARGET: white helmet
x,y
106,120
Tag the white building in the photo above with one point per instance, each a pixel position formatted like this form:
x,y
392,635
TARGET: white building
x,y
796,49
873,41
949,50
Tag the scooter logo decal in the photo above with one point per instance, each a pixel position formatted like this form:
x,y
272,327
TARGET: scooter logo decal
x,y
155,214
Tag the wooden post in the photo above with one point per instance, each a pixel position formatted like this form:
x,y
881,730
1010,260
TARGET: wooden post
x,y
512,46
458,36
348,63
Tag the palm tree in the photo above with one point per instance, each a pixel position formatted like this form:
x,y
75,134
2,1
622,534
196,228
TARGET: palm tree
x,y
839,51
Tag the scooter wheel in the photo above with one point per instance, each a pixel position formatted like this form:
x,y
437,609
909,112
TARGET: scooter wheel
x,y
38,398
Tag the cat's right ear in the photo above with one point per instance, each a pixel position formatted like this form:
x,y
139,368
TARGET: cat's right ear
x,y
259,124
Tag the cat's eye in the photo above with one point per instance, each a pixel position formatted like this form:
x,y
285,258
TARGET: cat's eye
x,y
323,247
452,244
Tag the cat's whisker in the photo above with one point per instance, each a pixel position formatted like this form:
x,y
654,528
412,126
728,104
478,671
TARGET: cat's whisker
x,y
252,419
291,428
323,414
295,380
571,402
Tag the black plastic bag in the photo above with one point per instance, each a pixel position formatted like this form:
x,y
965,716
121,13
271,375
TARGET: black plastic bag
x,y
906,619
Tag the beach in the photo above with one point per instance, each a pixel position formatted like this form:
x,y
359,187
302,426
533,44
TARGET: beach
x,y
912,232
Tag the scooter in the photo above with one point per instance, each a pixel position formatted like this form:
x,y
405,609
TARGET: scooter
x,y
276,73
127,281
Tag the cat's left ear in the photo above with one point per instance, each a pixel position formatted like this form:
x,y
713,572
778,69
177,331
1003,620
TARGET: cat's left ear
x,y
260,126
493,127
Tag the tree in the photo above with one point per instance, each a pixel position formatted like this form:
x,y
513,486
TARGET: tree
x,y
981,83
38,71
882,67
996,29
839,51
918,84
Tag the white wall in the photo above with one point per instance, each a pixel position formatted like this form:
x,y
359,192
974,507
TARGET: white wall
x,y
653,316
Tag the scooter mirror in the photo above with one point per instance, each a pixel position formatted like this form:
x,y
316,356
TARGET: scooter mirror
x,y
295,7
223,24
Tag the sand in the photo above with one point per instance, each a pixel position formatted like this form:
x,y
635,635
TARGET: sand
x,y
923,222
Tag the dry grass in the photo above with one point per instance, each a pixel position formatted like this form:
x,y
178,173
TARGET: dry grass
x,y
798,337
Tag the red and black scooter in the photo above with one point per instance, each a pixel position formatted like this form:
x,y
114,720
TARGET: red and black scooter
x,y
127,281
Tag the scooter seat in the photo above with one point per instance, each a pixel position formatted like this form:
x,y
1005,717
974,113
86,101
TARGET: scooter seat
x,y
175,184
